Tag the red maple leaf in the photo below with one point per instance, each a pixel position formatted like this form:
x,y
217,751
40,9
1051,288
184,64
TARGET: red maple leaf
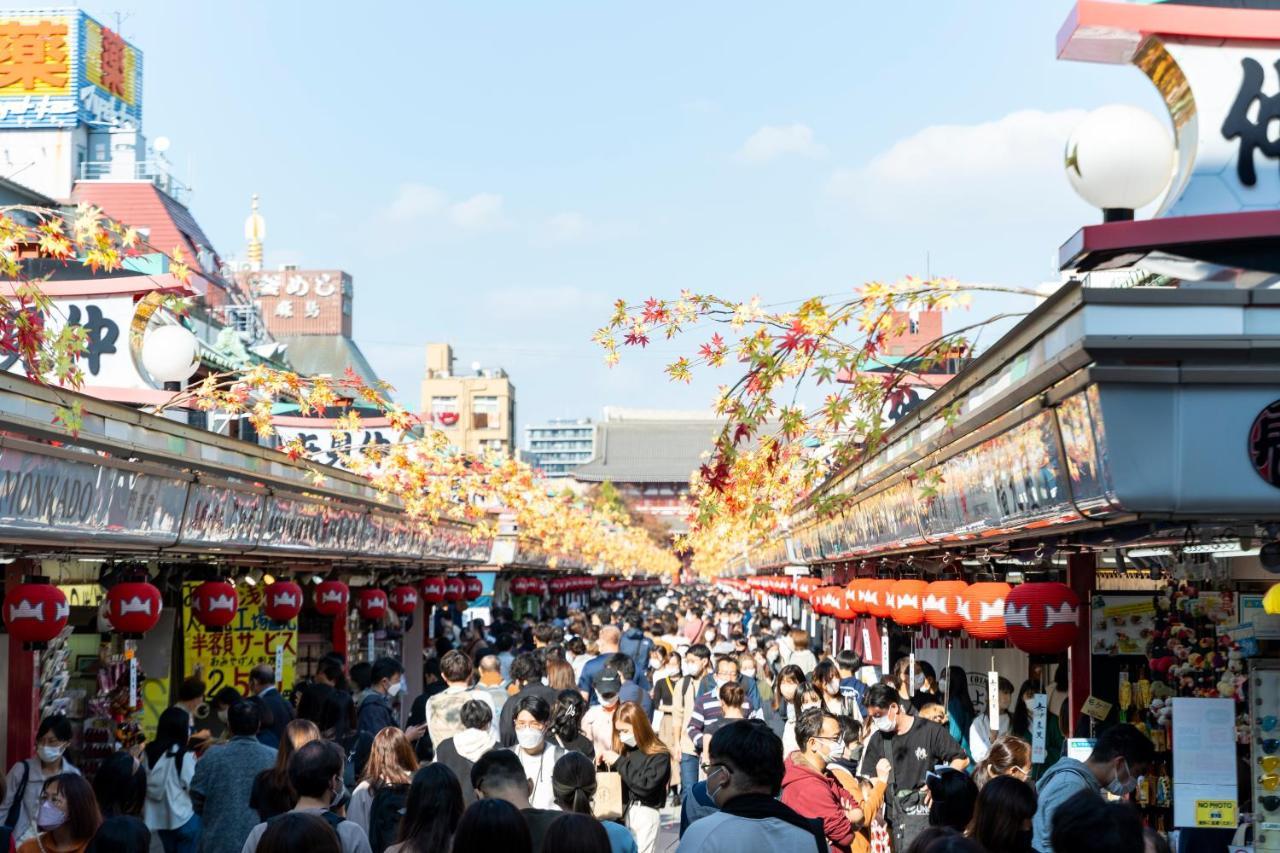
x,y
632,339
740,432
653,311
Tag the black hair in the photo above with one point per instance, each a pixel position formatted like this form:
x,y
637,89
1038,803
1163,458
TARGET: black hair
x,y
121,834
172,729
958,691
882,696
625,666
227,696
1123,740
753,750
824,672
490,824
850,729
432,808
475,714
527,668
56,723
576,833
192,687
120,785
498,769
332,670
1085,822
574,782
809,725
385,668
244,718
299,832
699,650
313,766
576,645
263,673
1004,804
1020,719
848,659
566,715
954,793
943,839
536,706
361,674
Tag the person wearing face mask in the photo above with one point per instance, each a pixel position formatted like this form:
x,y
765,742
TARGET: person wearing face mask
x,y
696,662
644,765
66,818
276,712
707,707
744,776
780,709
914,746
376,713
536,754
606,646
597,723
980,735
826,677
315,771
666,678
806,786
26,779
1120,756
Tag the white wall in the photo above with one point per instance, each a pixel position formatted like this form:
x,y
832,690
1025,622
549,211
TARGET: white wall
x,y
44,160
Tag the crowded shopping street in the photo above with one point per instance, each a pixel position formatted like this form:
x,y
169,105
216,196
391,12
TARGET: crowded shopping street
x,y
835,511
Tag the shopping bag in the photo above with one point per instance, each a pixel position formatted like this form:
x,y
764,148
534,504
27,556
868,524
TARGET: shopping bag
x,y
608,802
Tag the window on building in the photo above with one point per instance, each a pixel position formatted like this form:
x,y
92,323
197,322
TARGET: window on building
x,y
444,410
484,413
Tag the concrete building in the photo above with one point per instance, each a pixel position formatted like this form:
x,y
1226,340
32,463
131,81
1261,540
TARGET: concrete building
x,y
560,445
477,411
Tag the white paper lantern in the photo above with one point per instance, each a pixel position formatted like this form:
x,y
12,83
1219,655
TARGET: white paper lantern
x,y
1120,158
169,353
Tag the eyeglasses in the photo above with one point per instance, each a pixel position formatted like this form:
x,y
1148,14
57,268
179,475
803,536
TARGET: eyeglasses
x,y
528,726
708,769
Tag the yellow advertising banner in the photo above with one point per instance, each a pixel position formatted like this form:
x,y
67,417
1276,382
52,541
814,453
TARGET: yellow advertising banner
x,y
1218,813
226,656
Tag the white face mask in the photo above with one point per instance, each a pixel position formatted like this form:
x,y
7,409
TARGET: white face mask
x,y
1122,789
942,685
50,754
833,687
690,668
709,636
609,702
884,724
919,680
809,705
529,738
395,688
749,673
627,738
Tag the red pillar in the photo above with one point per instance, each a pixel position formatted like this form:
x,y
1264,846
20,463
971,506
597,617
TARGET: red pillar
x,y
340,635
23,696
1081,570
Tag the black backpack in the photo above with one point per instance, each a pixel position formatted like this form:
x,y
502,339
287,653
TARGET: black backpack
x,y
11,819
384,816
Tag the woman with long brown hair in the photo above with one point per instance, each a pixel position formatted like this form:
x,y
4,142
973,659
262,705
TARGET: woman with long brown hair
x,y
272,794
645,767
1002,816
560,675
377,800
67,818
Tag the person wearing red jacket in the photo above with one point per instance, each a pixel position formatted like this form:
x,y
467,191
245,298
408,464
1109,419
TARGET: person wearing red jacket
x,y
807,788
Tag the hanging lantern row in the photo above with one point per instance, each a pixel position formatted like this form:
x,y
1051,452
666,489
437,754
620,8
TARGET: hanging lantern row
x,y
35,612
575,583
1039,618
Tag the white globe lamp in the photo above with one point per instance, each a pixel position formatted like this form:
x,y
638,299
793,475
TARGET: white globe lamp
x,y
1120,158
169,354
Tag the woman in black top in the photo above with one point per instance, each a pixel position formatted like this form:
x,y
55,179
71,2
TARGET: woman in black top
x,y
566,724
460,752
645,767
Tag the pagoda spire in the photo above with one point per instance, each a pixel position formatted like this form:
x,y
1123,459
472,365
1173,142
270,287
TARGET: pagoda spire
x,y
255,231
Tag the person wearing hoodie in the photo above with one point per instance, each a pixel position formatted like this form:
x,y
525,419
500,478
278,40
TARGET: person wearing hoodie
x,y
460,752
808,789
635,645
170,769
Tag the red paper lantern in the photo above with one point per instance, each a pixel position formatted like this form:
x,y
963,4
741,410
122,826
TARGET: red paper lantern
x,y
214,604
519,585
879,603
537,587
403,600
840,603
282,601
908,601
133,607
332,598
1042,618
371,604
35,613
942,605
983,610
454,589
473,588
433,589
853,595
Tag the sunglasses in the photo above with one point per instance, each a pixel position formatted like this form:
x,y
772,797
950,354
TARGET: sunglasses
x,y
1270,802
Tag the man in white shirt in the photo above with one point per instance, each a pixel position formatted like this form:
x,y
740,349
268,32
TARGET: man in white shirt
x,y
744,775
443,710
315,772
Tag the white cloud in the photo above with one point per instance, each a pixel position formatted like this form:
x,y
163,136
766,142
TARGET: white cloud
x,y
481,211
414,201
1012,163
773,141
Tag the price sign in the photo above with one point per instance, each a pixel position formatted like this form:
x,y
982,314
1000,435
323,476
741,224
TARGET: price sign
x,y
1096,708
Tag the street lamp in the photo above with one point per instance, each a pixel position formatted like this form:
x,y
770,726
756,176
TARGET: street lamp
x,y
169,355
1119,158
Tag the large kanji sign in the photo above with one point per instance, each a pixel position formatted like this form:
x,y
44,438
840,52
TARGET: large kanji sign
x,y
226,657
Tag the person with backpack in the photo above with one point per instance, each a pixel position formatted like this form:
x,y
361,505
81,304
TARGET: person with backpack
x,y
315,771
378,800
27,778
167,809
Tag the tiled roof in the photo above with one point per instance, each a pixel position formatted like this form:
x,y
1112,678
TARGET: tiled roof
x,y
315,355
648,451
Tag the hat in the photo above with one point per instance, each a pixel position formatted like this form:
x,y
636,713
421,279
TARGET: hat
x,y
608,682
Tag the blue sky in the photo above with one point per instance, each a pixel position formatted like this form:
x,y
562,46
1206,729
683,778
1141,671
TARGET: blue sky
x,y
495,174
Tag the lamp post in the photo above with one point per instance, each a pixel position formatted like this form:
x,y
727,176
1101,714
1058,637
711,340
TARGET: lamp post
x,y
169,355
1119,158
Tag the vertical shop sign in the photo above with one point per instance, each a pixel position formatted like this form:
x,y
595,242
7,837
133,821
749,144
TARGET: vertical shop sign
x,y
1039,716
226,657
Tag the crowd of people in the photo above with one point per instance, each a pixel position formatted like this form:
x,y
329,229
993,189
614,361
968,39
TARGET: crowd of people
x,y
578,732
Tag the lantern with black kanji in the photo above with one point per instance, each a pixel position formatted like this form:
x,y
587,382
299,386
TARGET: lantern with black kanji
x,y
1042,618
35,612
454,588
983,610
433,589
472,588
942,604
282,601
403,600
332,598
371,604
133,607
214,604
908,601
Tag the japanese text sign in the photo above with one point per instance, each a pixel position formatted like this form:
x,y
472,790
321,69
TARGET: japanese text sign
x,y
226,657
